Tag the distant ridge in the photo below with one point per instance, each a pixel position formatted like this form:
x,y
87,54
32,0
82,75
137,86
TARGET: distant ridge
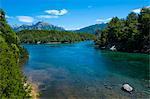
x,y
46,26
92,29
37,26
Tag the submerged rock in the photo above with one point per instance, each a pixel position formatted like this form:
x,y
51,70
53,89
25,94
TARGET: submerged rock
x,y
127,88
103,47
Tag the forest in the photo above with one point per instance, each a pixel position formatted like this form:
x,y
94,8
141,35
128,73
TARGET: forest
x,y
45,36
11,53
128,35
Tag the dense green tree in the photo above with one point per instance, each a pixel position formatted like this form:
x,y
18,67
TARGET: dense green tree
x,y
11,78
131,34
115,30
2,15
144,28
45,36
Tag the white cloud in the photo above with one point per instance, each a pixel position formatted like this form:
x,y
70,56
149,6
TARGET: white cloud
x,y
73,28
136,10
27,19
57,12
46,16
103,20
139,9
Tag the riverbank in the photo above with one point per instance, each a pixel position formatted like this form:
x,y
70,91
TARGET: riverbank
x,y
34,90
32,87
63,42
24,56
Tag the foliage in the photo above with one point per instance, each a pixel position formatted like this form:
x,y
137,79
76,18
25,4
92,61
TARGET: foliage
x,y
130,35
44,36
11,78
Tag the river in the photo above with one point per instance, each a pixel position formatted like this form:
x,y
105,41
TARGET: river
x,y
80,71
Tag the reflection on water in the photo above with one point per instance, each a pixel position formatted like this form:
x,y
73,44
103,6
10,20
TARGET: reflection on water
x,y
79,71
132,65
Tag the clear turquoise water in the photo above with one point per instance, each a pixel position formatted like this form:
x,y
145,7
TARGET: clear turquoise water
x,y
79,71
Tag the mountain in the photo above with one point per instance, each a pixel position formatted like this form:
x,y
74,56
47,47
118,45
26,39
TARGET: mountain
x,y
92,29
46,26
38,26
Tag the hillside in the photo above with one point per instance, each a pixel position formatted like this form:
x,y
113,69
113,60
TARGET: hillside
x,y
92,29
38,26
52,36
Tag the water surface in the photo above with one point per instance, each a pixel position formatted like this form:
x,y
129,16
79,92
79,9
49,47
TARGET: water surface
x,y
79,71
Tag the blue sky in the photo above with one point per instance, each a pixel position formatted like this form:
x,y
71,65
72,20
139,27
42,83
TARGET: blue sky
x,y
70,14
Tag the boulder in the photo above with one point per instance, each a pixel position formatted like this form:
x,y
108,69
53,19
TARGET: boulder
x,y
127,88
38,42
113,48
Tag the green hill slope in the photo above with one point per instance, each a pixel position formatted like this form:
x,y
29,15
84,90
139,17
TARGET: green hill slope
x,y
44,36
92,29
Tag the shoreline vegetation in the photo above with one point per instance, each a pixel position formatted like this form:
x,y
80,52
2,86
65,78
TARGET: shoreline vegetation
x,y
127,35
52,37
13,83
24,56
